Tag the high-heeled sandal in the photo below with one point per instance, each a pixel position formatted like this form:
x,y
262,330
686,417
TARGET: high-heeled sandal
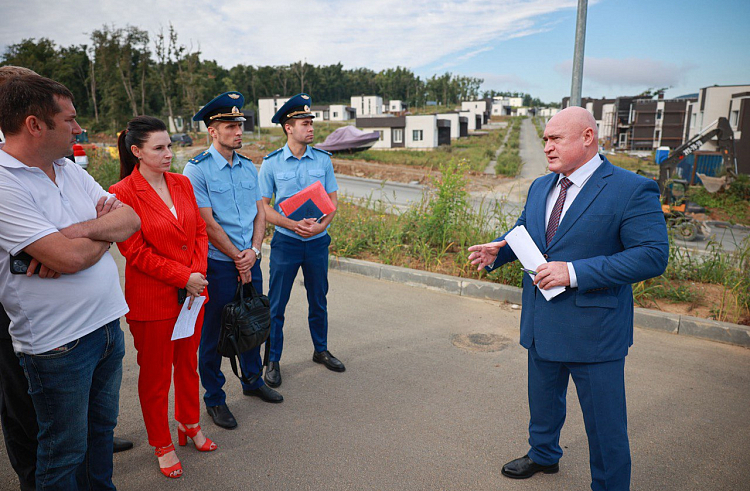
x,y
182,435
174,471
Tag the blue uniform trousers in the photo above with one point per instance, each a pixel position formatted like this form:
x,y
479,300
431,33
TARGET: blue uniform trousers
x,y
601,393
287,256
222,285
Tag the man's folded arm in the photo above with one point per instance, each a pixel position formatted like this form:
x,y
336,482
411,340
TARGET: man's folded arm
x,y
64,255
115,226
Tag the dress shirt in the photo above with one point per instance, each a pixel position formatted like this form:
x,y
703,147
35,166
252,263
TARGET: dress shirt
x,y
578,178
231,191
283,175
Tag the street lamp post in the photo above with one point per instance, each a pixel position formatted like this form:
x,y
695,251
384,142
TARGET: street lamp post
x,y
575,89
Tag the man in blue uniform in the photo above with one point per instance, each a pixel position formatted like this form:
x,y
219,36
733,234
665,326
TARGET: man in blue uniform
x,y
298,243
228,196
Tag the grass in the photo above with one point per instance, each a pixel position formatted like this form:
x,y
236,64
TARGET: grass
x,y
734,201
435,234
509,162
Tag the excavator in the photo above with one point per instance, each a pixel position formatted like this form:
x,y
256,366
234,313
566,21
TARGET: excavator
x,y
674,187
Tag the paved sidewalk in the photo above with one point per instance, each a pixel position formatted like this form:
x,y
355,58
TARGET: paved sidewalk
x,y
414,411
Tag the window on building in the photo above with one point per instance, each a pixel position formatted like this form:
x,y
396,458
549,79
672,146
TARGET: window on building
x,y
398,135
335,114
417,135
658,114
734,118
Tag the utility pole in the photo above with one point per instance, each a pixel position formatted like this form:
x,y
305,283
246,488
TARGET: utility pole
x,y
575,89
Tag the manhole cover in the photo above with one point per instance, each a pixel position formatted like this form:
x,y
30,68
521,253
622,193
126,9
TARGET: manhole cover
x,y
478,341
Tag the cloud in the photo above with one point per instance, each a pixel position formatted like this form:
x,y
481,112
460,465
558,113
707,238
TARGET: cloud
x,y
373,34
503,82
635,73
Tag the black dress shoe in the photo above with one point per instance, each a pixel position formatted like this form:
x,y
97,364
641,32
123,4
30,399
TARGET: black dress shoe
x,y
524,468
120,445
222,416
330,361
273,374
264,392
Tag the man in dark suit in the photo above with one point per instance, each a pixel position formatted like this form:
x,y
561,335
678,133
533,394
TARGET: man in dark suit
x,y
601,228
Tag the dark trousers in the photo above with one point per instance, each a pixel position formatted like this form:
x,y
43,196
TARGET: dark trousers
x,y
16,411
222,285
287,256
601,393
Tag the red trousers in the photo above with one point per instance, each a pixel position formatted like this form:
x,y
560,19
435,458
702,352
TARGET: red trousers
x,y
157,354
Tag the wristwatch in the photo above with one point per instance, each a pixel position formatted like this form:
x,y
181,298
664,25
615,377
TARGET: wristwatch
x,y
256,251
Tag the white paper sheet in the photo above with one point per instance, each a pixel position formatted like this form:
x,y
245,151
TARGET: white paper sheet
x,y
185,325
528,253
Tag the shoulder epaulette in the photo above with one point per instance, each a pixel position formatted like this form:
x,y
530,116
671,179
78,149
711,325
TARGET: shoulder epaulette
x,y
321,150
244,157
274,152
199,158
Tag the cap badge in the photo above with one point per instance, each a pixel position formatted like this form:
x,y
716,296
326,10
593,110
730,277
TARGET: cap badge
x,y
304,96
307,108
235,110
234,96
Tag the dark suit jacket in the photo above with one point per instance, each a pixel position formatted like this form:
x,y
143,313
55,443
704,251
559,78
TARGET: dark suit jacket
x,y
614,233
162,255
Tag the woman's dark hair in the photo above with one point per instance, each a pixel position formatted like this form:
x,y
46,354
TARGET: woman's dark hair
x,y
137,133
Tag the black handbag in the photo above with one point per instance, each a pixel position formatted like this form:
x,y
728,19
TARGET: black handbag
x,y
245,324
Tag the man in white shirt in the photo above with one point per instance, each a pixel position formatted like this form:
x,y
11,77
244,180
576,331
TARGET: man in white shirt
x,y
66,332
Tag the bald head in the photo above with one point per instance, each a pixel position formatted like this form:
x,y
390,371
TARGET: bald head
x,y
572,140
576,118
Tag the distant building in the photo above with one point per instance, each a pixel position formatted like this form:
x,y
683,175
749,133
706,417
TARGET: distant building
x,y
334,112
731,102
367,105
394,106
482,107
423,131
473,120
459,125
547,112
630,123
267,107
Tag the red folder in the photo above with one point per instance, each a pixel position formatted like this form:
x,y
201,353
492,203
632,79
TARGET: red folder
x,y
315,193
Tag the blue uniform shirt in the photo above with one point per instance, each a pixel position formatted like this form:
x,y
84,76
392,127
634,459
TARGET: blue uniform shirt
x,y
282,174
230,191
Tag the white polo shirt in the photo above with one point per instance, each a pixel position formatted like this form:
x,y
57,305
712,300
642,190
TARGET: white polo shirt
x,y
48,313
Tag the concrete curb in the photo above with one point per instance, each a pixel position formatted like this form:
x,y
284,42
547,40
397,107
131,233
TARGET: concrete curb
x,y
685,325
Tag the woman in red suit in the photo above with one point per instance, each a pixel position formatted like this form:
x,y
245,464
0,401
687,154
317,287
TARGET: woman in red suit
x,y
168,254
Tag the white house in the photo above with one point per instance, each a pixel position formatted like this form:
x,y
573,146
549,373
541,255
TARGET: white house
x,y
341,112
422,131
455,123
473,120
395,106
267,107
547,112
367,105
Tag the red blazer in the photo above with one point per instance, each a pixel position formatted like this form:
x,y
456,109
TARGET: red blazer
x,y
161,256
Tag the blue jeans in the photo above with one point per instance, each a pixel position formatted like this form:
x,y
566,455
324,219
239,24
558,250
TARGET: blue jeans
x,y
222,285
76,393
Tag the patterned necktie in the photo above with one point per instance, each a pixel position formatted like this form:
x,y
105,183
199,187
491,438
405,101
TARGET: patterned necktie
x,y
554,218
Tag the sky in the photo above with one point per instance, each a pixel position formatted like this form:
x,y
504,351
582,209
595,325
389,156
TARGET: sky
x,y
514,45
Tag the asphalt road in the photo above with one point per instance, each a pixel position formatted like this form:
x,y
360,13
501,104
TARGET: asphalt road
x,y
415,412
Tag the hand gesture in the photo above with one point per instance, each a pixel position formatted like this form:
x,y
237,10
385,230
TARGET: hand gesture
x,y
196,284
308,227
44,271
482,255
245,260
551,274
107,204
